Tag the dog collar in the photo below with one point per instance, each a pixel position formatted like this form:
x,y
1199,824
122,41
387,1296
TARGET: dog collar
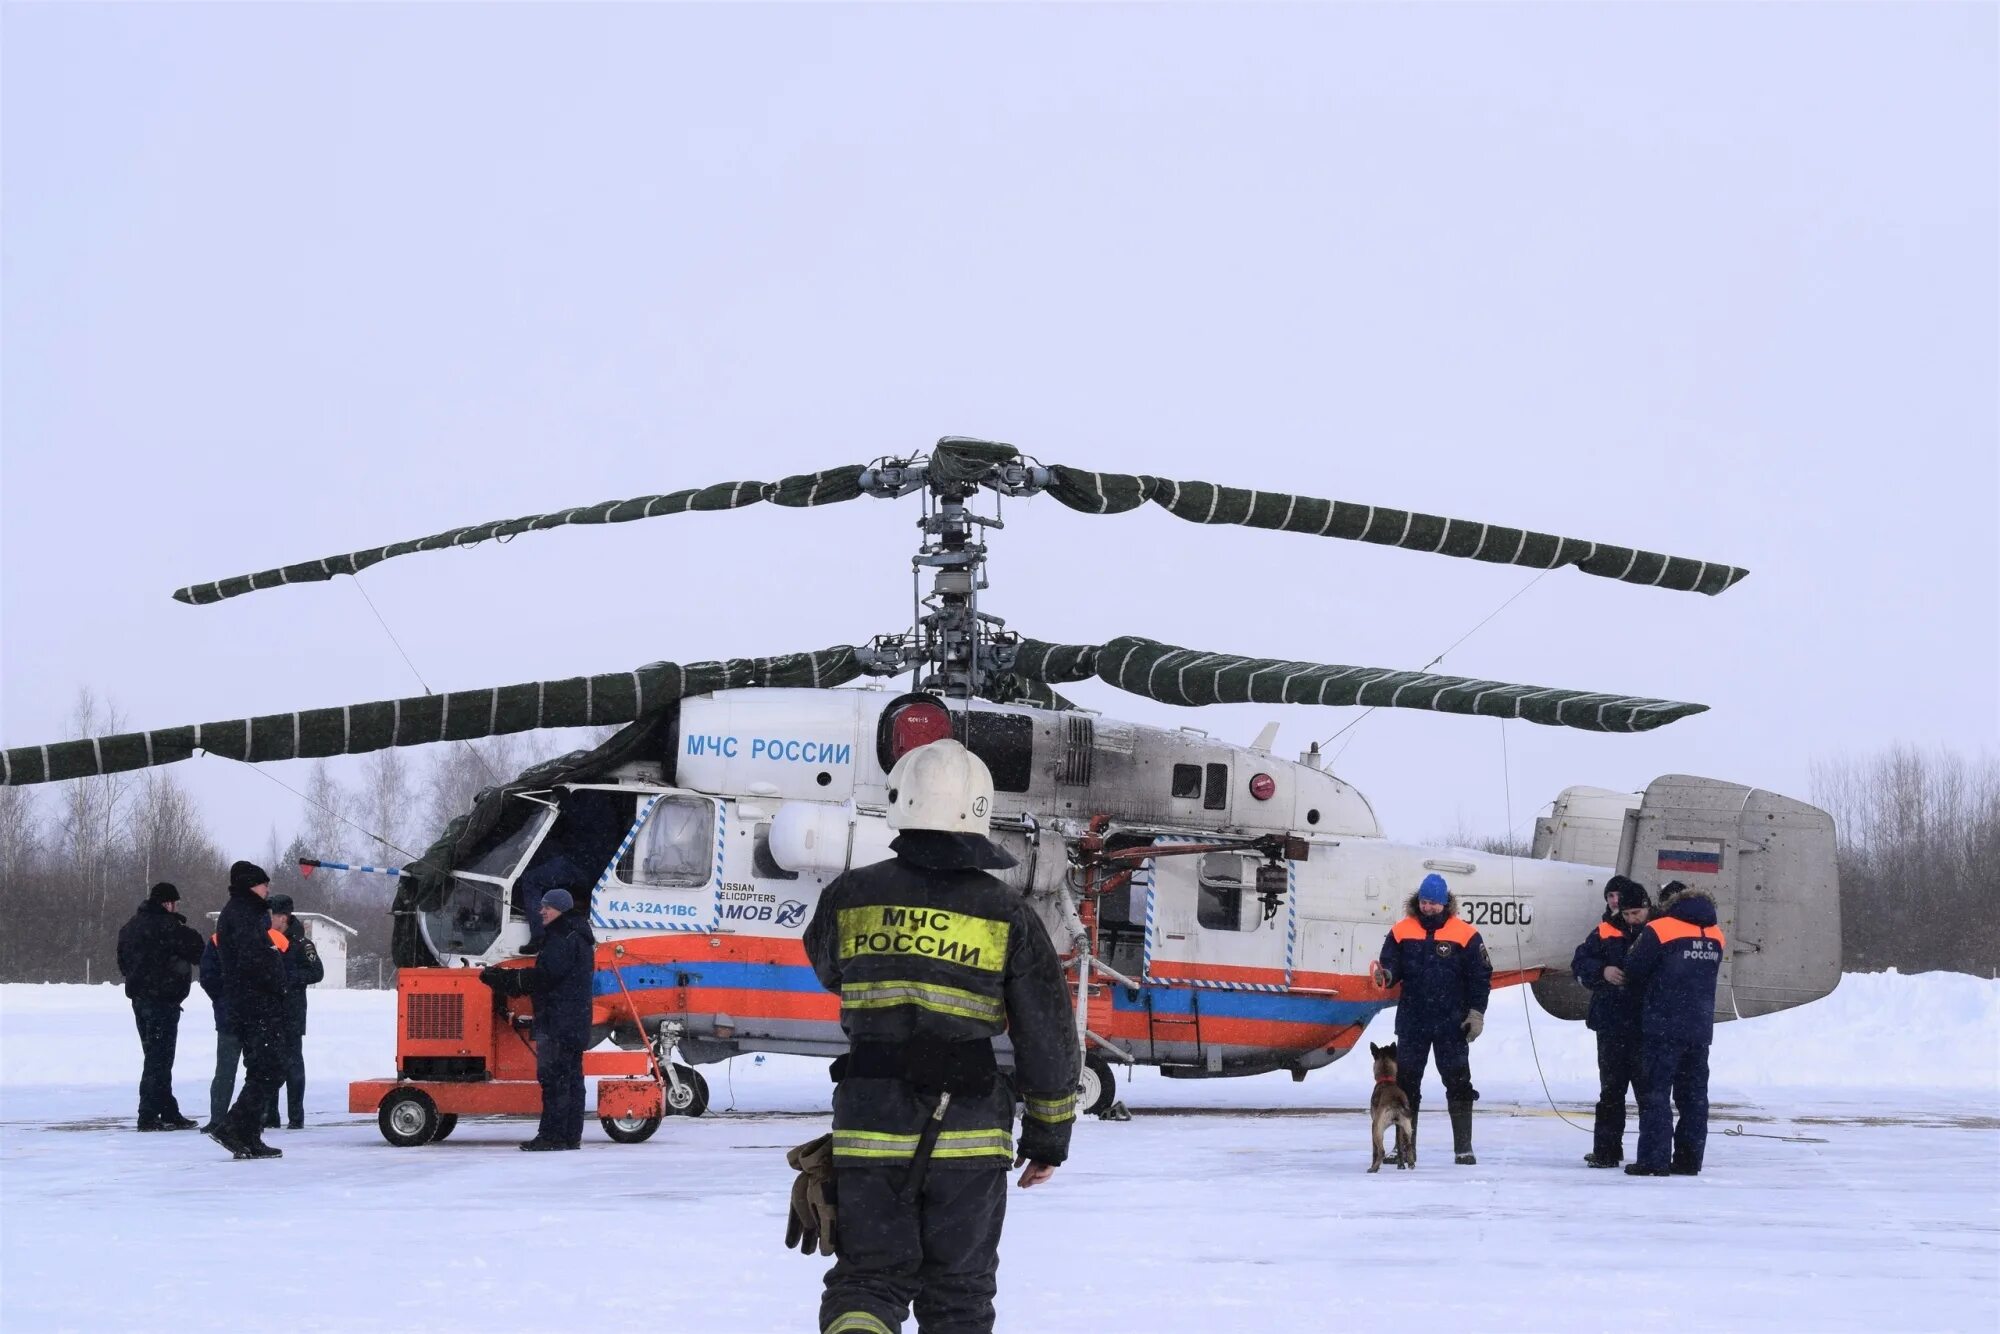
x,y
1390,1080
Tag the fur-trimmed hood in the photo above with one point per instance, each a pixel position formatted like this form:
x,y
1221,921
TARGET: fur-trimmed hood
x,y
1693,906
1450,906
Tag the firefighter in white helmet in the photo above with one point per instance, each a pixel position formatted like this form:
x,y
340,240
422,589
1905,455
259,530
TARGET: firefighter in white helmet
x,y
932,958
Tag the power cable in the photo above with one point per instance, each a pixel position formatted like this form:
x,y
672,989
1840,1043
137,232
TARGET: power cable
x,y
1520,953
1433,662
263,773
467,743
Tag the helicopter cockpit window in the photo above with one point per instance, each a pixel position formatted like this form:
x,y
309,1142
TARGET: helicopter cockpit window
x,y
1220,907
501,859
675,847
469,919
1187,781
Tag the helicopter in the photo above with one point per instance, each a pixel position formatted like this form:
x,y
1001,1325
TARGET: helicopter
x,y
1216,905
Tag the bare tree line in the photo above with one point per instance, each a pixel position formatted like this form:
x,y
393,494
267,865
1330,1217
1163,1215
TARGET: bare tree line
x,y
1919,858
76,858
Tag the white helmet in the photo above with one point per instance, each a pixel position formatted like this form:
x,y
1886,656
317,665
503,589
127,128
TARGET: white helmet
x,y
941,786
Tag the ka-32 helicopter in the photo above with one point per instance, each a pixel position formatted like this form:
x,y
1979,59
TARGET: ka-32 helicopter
x,y
1217,905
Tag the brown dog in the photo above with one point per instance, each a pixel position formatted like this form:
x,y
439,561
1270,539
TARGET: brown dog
x,y
1390,1106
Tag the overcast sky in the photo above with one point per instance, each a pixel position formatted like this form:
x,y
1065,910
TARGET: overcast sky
x,y
286,281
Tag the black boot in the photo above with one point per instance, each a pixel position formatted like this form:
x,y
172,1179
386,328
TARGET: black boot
x,y
1461,1133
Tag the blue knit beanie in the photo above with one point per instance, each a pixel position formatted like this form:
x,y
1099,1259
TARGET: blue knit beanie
x,y
559,899
1433,890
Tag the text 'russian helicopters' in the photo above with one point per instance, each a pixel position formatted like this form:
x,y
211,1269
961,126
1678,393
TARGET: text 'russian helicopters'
x,y
1218,906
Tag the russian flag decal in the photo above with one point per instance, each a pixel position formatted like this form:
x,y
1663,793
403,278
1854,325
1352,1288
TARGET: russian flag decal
x,y
1702,857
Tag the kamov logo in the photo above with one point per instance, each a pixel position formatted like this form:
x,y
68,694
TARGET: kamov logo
x,y
791,912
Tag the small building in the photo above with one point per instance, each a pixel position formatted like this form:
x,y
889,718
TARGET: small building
x,y
330,938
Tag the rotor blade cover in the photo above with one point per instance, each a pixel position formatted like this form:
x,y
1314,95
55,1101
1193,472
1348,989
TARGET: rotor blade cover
x,y
1206,502
800,491
461,715
1187,676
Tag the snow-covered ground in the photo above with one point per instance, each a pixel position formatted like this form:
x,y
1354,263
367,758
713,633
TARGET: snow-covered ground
x,y
1863,1193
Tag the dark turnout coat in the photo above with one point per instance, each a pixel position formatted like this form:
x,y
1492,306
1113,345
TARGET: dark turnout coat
x,y
157,954
1675,963
253,969
560,980
928,950
1614,1009
1443,968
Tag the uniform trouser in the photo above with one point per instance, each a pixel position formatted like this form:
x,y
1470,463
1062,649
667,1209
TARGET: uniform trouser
x,y
159,1030
1617,1069
559,1067
1454,1058
1676,1071
228,1056
295,1081
941,1252
263,1070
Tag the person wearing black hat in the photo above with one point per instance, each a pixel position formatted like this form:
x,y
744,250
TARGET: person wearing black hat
x,y
253,979
1599,964
302,969
157,954
559,981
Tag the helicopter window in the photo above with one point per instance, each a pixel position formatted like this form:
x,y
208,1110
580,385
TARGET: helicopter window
x,y
1220,907
501,859
468,921
763,862
1216,796
1187,781
676,847
1006,741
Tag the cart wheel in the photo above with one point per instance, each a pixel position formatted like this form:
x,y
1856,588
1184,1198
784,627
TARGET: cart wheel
x,y
408,1118
692,1097
447,1122
629,1129
1097,1089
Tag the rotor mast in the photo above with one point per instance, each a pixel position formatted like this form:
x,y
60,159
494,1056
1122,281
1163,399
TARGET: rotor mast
x,y
962,647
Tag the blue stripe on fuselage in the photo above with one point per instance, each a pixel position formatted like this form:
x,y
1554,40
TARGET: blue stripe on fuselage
x,y
1321,1010
735,976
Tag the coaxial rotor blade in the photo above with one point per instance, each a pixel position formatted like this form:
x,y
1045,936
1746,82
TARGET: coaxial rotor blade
x,y
1206,502
1186,676
805,489
461,715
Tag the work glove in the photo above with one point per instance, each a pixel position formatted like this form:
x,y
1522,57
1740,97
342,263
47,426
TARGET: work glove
x,y
1380,975
500,979
809,1224
1474,1025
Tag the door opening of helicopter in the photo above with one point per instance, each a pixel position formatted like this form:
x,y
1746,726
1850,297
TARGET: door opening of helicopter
x,y
589,826
1219,906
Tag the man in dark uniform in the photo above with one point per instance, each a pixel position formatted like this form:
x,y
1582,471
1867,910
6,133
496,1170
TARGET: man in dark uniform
x,y
1446,976
228,1051
302,969
933,958
1599,964
559,982
157,954
1675,964
253,983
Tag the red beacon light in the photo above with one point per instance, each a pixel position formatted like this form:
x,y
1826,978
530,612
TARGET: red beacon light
x,y
909,722
1262,786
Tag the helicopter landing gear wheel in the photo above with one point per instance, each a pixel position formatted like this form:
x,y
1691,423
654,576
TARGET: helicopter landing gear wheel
x,y
1097,1089
629,1129
447,1122
409,1118
691,1098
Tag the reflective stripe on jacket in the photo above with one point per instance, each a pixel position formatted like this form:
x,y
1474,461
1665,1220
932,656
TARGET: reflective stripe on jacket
x,y
947,954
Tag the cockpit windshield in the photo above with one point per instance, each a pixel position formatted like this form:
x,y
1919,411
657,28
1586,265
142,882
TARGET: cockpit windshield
x,y
503,858
469,919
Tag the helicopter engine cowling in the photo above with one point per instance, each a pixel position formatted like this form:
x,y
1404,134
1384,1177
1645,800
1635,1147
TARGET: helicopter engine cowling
x,y
820,838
